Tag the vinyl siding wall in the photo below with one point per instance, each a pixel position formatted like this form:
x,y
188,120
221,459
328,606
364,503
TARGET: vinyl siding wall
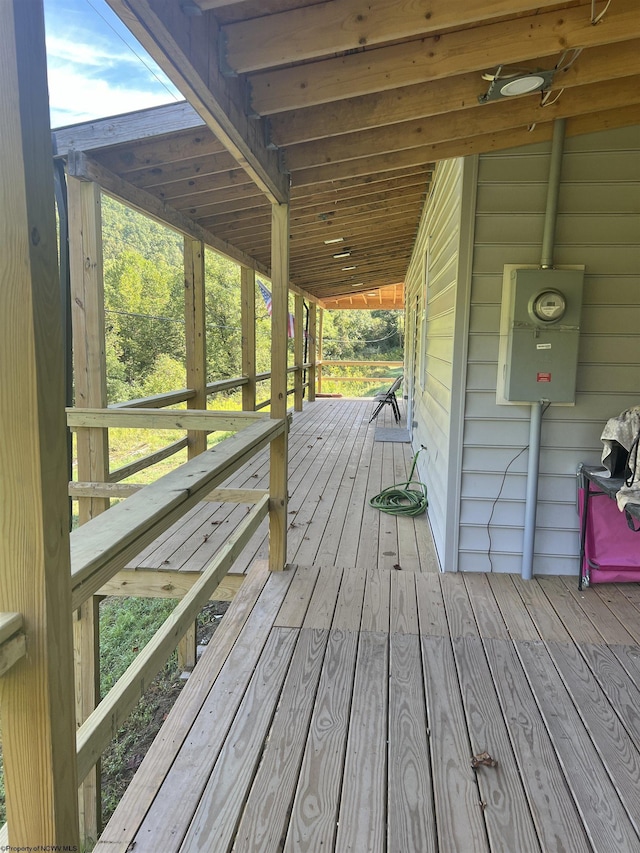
x,y
431,296
598,226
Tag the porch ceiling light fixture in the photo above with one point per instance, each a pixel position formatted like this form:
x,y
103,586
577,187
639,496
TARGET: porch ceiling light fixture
x,y
352,267
509,84
345,254
334,240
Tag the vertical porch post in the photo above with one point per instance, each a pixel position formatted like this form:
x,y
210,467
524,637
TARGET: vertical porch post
x,y
298,353
90,385
37,694
279,317
196,352
319,368
313,317
248,312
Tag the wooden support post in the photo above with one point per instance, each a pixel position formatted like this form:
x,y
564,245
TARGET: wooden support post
x,y
298,353
196,340
90,384
279,320
311,350
248,310
196,349
36,694
320,324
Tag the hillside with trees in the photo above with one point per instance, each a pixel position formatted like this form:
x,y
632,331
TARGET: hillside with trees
x,y
144,303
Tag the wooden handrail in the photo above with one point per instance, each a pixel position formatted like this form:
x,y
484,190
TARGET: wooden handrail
x,y
103,723
227,384
157,401
192,419
13,644
125,490
147,461
104,545
357,363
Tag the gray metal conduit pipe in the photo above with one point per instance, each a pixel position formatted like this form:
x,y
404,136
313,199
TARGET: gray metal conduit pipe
x,y
535,424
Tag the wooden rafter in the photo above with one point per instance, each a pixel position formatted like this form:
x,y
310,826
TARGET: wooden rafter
x,y
357,103
180,45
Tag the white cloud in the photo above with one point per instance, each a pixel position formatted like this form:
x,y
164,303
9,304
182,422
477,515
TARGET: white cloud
x,y
94,54
93,73
75,97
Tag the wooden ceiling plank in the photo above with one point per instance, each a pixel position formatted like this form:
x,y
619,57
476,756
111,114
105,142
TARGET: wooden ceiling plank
x,y
368,191
329,28
85,168
181,170
161,151
255,245
384,202
435,97
228,179
310,190
478,49
181,45
496,116
198,201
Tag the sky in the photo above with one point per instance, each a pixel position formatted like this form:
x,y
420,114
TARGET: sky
x,y
96,68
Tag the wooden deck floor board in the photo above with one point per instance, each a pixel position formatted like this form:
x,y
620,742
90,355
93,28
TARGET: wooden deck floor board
x,y
552,805
265,817
605,819
504,804
314,816
411,817
362,817
213,827
335,466
338,709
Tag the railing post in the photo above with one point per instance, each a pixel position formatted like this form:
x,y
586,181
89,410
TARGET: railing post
x,y
298,353
279,318
248,312
319,368
196,352
313,316
90,386
36,694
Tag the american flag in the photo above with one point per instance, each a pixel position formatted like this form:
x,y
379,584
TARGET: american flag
x,y
268,302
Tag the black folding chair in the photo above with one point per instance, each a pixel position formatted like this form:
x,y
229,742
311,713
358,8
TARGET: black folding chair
x,y
388,399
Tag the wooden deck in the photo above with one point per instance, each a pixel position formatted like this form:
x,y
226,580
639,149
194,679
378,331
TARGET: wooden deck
x,y
340,710
335,466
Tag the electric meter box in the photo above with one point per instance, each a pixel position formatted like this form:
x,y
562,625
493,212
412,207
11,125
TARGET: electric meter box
x,y
539,335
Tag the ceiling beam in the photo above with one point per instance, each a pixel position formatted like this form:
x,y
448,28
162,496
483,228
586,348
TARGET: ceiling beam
x,y
480,48
182,46
494,116
332,27
436,97
492,141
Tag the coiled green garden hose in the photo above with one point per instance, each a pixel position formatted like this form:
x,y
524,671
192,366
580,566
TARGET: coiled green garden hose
x,y
408,498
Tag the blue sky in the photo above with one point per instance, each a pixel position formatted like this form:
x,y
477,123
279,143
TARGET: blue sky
x,y
96,68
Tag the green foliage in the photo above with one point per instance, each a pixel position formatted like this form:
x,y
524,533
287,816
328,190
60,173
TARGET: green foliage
x,y
144,299
125,628
223,320
368,335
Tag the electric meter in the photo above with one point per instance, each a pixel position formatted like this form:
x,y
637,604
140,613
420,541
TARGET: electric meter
x,y
548,306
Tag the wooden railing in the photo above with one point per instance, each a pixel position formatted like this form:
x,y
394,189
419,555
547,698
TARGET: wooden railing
x,y
103,546
320,376
12,640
